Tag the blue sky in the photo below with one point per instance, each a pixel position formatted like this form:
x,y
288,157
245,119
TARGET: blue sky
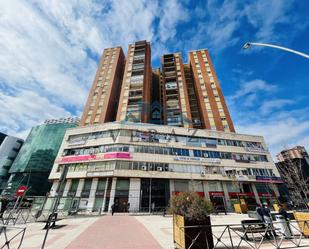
x,y
49,51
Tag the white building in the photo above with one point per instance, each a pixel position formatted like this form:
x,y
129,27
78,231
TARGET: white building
x,y
144,164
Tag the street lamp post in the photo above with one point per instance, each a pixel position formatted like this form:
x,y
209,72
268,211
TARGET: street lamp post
x,y
249,44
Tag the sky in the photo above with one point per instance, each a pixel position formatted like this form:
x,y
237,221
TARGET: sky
x,y
49,51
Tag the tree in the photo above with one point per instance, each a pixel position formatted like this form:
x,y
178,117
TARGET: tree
x,y
295,176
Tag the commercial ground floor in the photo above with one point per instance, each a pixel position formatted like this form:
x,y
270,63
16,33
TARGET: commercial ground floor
x,y
153,194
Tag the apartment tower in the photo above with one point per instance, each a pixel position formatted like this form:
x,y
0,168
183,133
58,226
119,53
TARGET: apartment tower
x,y
213,110
176,110
102,102
135,96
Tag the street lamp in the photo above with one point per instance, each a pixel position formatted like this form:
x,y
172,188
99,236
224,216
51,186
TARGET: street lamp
x,y
249,44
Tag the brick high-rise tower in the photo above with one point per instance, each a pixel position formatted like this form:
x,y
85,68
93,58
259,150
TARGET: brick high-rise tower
x,y
213,110
135,97
102,103
184,95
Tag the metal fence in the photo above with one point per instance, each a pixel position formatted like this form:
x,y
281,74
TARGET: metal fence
x,y
11,236
283,235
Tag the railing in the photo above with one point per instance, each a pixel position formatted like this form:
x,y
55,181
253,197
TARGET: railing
x,y
11,235
278,234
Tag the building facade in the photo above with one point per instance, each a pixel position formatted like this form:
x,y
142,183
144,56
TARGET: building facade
x,y
293,165
175,93
9,148
102,102
213,110
135,96
36,157
144,165
297,152
173,133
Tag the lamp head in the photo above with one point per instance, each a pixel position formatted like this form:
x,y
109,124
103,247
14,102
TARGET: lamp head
x,y
246,45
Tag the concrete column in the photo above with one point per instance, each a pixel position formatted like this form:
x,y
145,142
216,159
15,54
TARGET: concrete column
x,y
134,194
275,188
172,187
256,195
80,187
112,194
227,198
67,187
91,198
206,189
105,192
54,187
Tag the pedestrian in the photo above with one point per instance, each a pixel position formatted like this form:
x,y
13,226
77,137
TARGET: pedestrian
x,y
128,207
113,209
152,207
259,213
283,212
268,220
3,205
285,215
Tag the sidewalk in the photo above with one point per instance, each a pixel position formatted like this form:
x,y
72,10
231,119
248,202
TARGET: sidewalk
x,y
115,232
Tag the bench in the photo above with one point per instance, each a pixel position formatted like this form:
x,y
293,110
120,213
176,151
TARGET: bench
x,y
250,227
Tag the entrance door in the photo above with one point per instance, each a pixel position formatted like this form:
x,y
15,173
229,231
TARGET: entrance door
x,y
218,203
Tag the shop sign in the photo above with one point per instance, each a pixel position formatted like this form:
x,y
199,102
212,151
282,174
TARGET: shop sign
x,y
216,193
113,155
265,194
69,159
179,192
121,155
77,142
198,159
240,194
272,179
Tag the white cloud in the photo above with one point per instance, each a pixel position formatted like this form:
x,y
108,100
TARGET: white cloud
x,y
26,109
253,87
172,14
265,15
269,106
278,132
51,49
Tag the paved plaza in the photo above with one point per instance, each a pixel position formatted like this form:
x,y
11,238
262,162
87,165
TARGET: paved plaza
x,y
121,231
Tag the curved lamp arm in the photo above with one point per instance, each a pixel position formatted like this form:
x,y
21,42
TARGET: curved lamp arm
x,y
248,44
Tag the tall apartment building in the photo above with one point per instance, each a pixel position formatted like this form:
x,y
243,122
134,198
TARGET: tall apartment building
x,y
175,94
102,102
135,96
213,110
150,154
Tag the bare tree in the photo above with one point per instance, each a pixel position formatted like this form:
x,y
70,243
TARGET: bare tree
x,y
292,172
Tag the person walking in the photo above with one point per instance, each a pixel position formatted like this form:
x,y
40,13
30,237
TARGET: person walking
x,y
259,213
113,209
268,220
288,232
128,207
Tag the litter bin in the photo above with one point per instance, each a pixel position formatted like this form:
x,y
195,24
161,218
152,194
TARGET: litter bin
x,y
283,226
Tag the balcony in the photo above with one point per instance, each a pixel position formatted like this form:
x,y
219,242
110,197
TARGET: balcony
x,y
135,93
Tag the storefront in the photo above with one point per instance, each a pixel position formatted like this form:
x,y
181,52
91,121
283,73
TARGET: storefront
x,y
154,194
218,201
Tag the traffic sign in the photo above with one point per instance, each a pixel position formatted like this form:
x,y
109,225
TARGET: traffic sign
x,y
21,191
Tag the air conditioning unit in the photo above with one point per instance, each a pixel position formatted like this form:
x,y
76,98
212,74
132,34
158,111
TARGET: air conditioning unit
x,y
203,173
159,169
144,168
